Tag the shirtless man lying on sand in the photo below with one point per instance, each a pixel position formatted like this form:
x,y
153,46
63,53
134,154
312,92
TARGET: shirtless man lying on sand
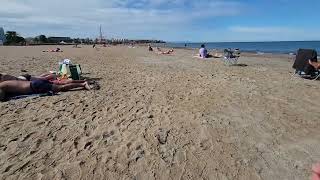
x,y
49,77
26,77
16,88
164,52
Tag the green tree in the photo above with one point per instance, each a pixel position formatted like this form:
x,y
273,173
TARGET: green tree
x,y
36,40
13,38
43,39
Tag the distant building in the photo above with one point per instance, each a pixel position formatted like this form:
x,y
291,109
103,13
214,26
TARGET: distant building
x,y
2,36
59,39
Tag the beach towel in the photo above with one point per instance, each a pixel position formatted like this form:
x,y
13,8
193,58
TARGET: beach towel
x,y
316,172
32,96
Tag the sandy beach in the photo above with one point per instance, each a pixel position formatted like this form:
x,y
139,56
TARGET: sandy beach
x,y
161,117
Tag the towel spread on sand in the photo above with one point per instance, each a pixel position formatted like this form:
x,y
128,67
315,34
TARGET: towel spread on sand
x,y
316,172
31,95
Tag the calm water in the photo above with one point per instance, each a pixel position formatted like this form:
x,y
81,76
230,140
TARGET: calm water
x,y
263,47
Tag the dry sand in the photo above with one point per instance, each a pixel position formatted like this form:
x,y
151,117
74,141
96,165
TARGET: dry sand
x,y
161,117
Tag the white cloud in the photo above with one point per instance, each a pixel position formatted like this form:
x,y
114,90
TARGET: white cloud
x,y
12,6
127,17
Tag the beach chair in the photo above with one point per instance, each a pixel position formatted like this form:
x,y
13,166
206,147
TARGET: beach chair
x,y
231,57
302,67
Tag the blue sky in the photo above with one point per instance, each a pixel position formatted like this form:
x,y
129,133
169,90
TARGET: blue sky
x,y
170,20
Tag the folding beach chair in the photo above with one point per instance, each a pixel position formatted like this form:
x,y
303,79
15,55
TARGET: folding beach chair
x,y
231,57
302,66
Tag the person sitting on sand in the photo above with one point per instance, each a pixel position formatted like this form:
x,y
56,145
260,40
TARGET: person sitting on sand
x,y
316,65
150,48
203,52
16,88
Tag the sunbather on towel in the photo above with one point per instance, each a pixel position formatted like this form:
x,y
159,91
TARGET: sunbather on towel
x,y
53,50
7,77
316,65
48,77
16,88
27,77
166,52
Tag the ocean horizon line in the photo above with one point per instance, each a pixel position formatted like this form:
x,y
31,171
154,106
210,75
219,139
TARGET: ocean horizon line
x,y
259,47
198,42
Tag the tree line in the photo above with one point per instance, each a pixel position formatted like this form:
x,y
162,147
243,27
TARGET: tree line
x,y
13,38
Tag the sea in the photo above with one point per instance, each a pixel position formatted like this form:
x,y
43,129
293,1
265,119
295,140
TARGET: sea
x,y
281,47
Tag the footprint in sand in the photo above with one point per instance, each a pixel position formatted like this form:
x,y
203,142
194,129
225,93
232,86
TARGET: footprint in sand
x,y
13,140
107,137
88,145
136,154
27,136
162,135
76,142
7,169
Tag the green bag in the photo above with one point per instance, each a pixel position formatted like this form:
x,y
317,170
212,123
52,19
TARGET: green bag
x,y
74,72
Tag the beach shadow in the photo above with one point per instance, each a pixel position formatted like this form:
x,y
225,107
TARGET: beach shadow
x,y
91,79
210,57
240,65
74,90
94,82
